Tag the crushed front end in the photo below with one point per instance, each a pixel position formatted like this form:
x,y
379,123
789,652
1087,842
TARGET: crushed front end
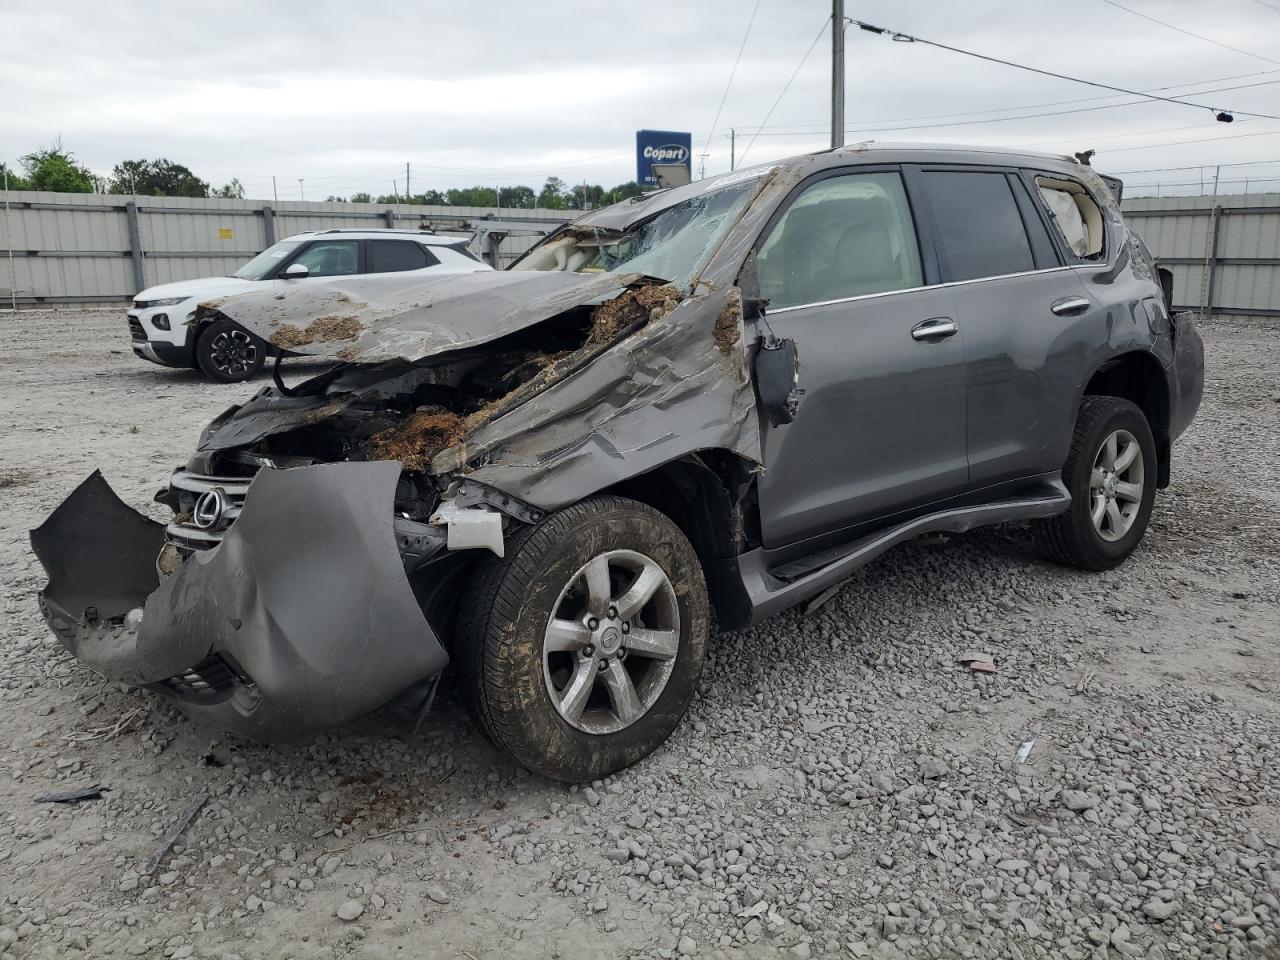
x,y
321,535
299,617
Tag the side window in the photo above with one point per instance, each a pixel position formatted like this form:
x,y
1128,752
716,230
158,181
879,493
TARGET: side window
x,y
331,258
1076,215
980,231
844,236
395,256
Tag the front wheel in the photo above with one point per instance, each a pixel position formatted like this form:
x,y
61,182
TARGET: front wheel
x,y
1111,474
580,651
228,353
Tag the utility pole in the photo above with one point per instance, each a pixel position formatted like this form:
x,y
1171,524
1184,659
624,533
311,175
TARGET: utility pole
x,y
275,194
837,73
8,230
407,192
733,145
301,195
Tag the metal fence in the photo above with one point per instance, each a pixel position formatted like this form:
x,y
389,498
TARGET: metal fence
x,y
75,248
1224,251
67,248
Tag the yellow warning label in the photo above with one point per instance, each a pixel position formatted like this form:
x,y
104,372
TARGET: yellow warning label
x,y
224,233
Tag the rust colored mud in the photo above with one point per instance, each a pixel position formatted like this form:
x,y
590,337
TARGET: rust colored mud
x,y
726,327
419,438
643,305
319,330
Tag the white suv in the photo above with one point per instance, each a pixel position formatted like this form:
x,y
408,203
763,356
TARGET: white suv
x,y
158,319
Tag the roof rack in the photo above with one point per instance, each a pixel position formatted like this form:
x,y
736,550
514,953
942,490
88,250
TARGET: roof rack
x,y
439,239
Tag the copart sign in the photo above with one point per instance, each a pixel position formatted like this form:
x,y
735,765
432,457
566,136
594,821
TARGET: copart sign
x,y
661,146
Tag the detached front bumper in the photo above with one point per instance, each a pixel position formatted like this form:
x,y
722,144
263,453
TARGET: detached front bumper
x,y
301,618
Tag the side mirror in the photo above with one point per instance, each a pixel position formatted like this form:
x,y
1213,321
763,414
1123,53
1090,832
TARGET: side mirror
x,y
296,271
1166,286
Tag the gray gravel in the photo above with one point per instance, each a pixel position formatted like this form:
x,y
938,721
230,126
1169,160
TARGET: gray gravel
x,y
841,787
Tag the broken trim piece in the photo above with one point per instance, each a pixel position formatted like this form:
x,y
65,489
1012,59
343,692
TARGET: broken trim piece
x,y
470,528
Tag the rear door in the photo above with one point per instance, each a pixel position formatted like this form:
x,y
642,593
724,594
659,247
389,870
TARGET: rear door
x,y
398,256
881,426
1025,316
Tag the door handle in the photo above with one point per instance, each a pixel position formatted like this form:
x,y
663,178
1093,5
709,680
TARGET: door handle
x,y
1070,306
937,328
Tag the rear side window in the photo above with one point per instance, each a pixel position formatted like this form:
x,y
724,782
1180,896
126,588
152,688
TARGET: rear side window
x,y
1075,214
396,256
461,250
980,231
842,237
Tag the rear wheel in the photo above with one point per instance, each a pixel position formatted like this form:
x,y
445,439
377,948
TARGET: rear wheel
x,y
581,649
228,353
1111,473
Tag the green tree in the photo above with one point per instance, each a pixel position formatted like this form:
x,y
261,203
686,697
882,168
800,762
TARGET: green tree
x,y
584,194
11,178
56,169
624,191
334,199
522,198
229,191
434,198
553,195
361,197
156,178
473,197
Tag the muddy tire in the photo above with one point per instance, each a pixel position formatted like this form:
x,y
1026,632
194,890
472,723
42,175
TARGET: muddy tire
x,y
1111,474
228,353
579,652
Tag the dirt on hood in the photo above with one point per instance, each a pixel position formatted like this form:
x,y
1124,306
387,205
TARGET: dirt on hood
x,y
320,330
629,308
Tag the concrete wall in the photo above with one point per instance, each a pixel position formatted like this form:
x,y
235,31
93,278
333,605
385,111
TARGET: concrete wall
x,y
1224,251
72,248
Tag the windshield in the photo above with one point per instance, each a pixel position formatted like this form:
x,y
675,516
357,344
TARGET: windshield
x,y
671,245
267,260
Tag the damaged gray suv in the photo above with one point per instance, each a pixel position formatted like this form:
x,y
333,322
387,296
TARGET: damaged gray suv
x,y
726,396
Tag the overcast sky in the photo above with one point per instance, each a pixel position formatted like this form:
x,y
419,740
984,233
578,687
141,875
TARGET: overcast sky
x,y
342,94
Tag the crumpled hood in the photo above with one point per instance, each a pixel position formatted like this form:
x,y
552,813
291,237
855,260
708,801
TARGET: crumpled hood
x,y
376,318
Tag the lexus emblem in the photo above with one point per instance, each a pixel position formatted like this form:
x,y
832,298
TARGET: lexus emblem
x,y
210,509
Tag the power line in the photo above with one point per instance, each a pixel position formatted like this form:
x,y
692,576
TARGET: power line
x,y
1179,143
908,38
1196,166
785,88
732,73
1028,116
1269,6
1224,46
1057,103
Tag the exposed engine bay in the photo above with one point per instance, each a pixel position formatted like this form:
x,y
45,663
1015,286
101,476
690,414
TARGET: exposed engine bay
x,y
347,509
401,410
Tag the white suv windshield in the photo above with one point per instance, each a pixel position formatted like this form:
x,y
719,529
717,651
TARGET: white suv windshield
x,y
267,260
672,245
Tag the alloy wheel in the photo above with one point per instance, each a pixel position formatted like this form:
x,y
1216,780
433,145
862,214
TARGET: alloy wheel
x,y
611,642
233,353
1116,485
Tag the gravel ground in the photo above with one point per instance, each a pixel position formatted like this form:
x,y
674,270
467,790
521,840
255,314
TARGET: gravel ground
x,y
841,787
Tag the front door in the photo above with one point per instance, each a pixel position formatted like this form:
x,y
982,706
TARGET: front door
x,y
881,428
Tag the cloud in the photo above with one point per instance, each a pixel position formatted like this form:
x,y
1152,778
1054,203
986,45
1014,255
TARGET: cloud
x,y
343,95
